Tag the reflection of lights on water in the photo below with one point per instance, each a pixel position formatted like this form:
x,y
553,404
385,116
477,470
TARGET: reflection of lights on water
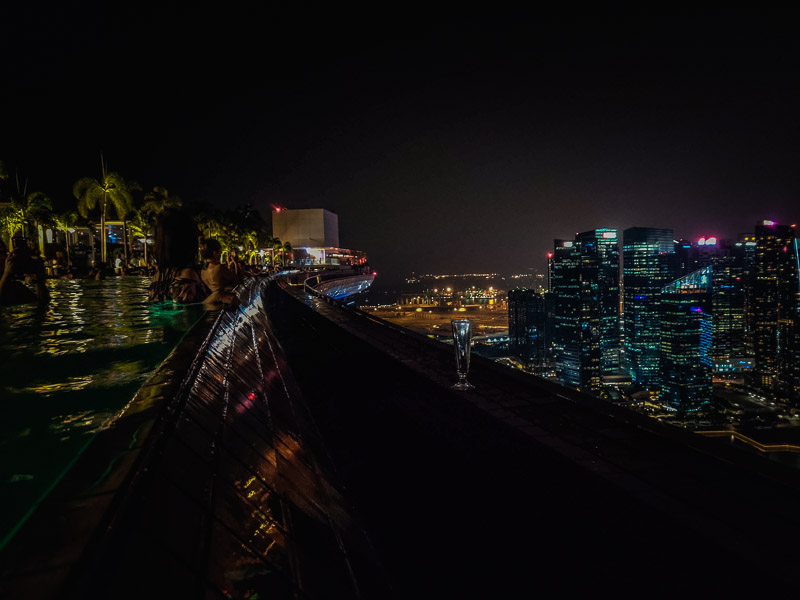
x,y
80,391
72,384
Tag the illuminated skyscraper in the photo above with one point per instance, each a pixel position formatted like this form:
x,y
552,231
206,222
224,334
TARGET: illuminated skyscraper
x,y
599,250
789,355
568,336
649,263
774,304
730,271
686,340
585,290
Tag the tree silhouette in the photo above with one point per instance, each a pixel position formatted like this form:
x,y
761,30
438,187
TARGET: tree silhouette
x,y
112,190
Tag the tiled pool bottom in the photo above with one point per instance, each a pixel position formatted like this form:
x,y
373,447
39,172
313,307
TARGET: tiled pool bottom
x,y
65,370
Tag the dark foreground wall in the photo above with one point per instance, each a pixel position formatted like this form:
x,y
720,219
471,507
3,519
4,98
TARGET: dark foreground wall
x,y
521,488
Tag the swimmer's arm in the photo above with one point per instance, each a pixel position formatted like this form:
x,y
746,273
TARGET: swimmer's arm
x,y
6,276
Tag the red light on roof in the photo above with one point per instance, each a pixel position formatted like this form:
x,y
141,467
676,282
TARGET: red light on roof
x,y
549,255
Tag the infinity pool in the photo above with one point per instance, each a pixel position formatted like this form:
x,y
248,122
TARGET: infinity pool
x,y
65,370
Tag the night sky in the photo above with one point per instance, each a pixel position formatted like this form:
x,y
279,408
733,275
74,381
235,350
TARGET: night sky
x,y
446,141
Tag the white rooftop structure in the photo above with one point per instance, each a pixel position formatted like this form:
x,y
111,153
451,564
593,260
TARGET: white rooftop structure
x,y
307,227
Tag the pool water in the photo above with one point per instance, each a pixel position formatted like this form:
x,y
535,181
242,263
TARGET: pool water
x,y
66,369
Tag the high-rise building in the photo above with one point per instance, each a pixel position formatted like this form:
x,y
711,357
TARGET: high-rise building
x,y
745,249
774,303
599,249
686,340
683,249
565,286
584,284
649,263
729,276
729,286
526,328
788,385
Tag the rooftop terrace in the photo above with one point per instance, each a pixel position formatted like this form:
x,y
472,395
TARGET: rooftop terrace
x,y
300,448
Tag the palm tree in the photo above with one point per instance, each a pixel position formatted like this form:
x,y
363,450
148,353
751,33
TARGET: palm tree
x,y
274,244
141,225
25,212
66,221
249,237
113,190
284,248
159,200
11,221
38,210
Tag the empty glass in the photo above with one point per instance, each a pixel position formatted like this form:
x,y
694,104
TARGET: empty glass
x,y
462,339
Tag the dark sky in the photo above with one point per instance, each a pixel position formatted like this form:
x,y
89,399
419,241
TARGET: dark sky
x,y
458,140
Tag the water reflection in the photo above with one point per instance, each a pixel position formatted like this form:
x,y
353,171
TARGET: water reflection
x,y
67,369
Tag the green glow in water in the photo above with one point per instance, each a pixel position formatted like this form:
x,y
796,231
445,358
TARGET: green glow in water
x,y
66,369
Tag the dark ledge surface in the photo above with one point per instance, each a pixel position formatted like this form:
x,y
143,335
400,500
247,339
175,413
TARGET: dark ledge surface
x,y
523,487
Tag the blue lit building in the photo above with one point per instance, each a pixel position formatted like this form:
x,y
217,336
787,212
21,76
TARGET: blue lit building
x,y
731,262
649,263
584,284
686,341
599,250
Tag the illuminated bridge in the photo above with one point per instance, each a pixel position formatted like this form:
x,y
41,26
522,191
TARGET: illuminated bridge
x,y
298,448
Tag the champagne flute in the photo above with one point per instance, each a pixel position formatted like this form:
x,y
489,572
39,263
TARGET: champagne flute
x,y
462,339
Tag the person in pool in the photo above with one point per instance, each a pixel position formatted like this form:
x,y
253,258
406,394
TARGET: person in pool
x,y
218,277
18,265
177,277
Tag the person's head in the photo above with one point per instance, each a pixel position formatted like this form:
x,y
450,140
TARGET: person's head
x,y
210,248
175,239
19,243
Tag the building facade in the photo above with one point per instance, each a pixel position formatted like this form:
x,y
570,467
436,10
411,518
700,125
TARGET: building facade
x,y
685,307
774,299
306,228
649,263
599,250
584,289
527,329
